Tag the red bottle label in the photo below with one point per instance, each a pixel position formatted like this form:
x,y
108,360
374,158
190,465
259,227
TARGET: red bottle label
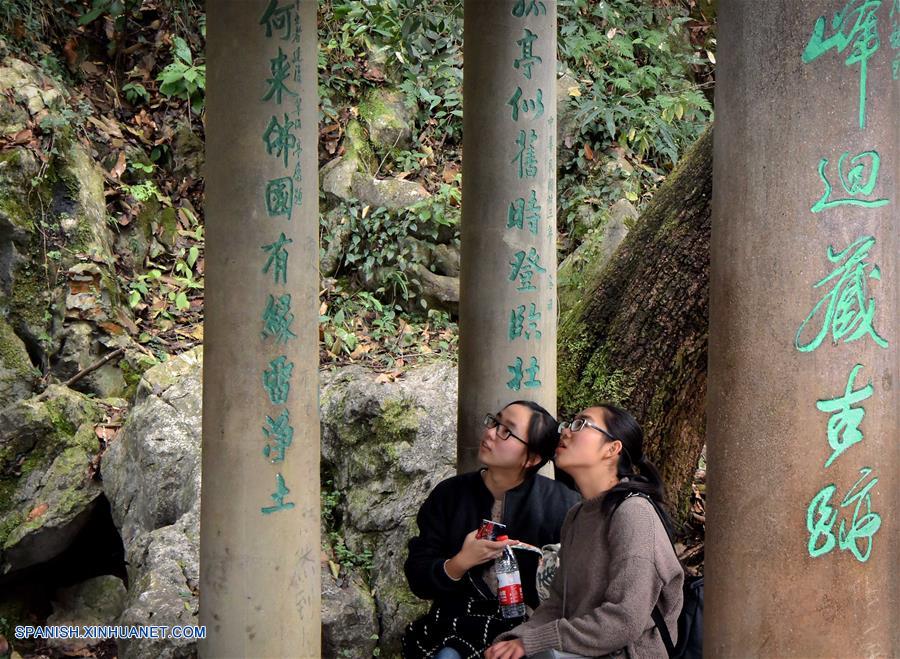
x,y
511,594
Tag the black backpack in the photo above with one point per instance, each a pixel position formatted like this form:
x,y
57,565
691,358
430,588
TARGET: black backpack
x,y
690,620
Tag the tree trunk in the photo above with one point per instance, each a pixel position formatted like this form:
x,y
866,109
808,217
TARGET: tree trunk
x,y
637,336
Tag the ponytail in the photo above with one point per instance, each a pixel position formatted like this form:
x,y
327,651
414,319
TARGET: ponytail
x,y
635,472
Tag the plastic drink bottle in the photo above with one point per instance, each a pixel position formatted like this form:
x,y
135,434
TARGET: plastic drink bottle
x,y
512,602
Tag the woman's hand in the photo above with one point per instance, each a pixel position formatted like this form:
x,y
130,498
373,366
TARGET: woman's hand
x,y
513,649
474,552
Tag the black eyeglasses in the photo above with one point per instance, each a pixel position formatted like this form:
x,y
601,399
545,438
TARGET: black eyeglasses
x,y
580,423
504,433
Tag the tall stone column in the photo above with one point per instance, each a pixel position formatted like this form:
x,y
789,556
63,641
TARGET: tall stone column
x,y
259,550
804,459
508,268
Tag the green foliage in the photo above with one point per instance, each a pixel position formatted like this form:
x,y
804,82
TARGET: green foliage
x,y
115,9
421,44
635,64
134,92
182,78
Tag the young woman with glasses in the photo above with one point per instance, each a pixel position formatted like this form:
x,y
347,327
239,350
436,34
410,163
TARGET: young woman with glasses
x,y
450,566
616,563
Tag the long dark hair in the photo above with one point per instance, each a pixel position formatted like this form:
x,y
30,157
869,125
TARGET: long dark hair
x,y
635,472
543,434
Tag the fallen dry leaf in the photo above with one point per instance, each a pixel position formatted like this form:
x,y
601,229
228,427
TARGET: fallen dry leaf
x,y
37,511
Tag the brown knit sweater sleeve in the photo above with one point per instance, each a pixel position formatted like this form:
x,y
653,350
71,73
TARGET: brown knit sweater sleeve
x,y
617,613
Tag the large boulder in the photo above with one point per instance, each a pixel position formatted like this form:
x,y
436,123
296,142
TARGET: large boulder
x,y
385,445
151,476
393,193
46,495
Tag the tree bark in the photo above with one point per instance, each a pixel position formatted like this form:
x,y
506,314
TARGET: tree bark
x,y
637,336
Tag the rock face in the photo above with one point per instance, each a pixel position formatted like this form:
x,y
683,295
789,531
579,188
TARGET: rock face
x,y
151,476
46,496
97,601
17,374
56,249
384,446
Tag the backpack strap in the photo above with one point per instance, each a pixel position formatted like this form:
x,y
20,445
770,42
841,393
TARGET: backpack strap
x,y
657,616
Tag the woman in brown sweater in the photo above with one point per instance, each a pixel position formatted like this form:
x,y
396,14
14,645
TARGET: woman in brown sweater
x,y
616,560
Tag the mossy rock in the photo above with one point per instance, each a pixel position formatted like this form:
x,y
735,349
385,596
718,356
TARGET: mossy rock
x,y
387,118
17,373
46,497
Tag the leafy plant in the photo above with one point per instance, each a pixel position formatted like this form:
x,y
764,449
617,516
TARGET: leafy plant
x,y
134,92
182,78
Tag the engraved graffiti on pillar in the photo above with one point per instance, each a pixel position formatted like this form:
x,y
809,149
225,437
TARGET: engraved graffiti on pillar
x,y
857,178
526,105
855,25
524,8
281,491
855,536
524,213
843,426
518,373
520,327
845,310
277,379
279,435
526,159
277,319
524,267
527,58
278,257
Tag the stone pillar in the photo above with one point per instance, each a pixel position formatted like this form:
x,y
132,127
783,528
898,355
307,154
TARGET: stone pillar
x,y
259,550
803,494
508,268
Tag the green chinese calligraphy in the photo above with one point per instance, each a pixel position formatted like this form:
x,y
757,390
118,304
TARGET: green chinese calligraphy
x,y
278,496
843,426
528,7
279,139
855,182
535,105
280,197
524,267
279,436
526,160
528,58
279,19
517,374
521,213
517,325
821,517
277,319
856,24
277,380
278,257
281,71
895,39
848,313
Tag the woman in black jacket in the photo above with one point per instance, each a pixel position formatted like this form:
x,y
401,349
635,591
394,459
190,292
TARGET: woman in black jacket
x,y
449,565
